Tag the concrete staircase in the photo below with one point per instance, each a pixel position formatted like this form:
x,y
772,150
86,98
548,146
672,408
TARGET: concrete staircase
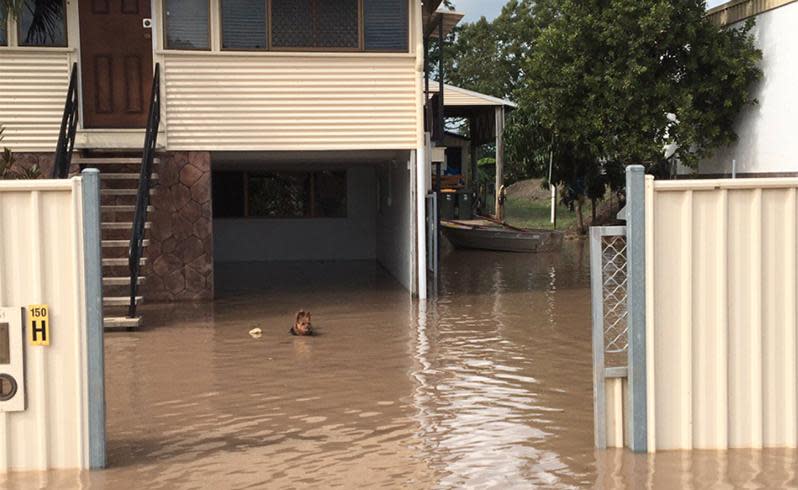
x,y
119,180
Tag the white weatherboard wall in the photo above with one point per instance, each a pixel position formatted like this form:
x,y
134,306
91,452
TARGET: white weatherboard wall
x,y
395,222
721,269
766,131
33,86
290,101
43,250
265,240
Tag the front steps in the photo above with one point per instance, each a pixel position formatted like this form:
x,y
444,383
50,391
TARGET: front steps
x,y
119,180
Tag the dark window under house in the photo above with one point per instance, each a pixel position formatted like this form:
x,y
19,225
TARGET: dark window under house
x,y
257,194
291,25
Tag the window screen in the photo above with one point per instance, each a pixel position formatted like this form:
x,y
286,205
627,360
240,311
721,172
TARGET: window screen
x,y
244,24
315,24
3,26
319,194
330,194
279,195
227,192
386,25
42,23
187,24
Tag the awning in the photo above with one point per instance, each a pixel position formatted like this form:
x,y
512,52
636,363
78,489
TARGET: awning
x,y
450,21
460,97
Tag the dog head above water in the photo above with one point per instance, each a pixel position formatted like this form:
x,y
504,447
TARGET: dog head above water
x,y
302,325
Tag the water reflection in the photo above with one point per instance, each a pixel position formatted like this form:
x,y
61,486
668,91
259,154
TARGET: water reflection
x,y
486,386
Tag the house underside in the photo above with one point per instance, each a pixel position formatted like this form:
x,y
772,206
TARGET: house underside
x,y
233,134
302,209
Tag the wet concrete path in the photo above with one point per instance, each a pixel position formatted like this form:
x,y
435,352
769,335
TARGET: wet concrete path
x,y
486,386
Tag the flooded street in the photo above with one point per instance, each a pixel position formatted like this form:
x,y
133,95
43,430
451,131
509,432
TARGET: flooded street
x,y
486,386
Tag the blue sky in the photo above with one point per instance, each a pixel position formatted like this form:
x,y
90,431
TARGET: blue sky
x,y
474,9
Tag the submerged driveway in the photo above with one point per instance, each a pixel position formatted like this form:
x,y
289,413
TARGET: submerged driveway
x,y
487,386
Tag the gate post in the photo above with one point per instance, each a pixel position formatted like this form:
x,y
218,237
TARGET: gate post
x,y
636,270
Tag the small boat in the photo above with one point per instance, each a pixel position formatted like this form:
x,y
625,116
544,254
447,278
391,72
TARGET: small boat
x,y
484,234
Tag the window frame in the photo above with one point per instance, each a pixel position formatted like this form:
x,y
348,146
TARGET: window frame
x,y
246,174
7,29
165,23
218,25
360,35
267,26
17,24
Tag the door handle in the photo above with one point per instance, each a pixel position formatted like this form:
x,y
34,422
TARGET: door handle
x,y
146,23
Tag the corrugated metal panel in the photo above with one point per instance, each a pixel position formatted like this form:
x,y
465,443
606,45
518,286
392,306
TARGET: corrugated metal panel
x,y
739,10
460,97
724,313
301,102
41,252
33,87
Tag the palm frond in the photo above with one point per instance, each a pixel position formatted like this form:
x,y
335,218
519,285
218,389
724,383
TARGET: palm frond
x,y
46,20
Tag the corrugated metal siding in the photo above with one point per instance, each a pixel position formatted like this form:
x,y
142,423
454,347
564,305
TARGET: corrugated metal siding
x,y
724,315
41,252
454,96
737,11
33,88
301,102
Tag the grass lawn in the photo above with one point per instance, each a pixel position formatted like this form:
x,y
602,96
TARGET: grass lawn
x,y
527,213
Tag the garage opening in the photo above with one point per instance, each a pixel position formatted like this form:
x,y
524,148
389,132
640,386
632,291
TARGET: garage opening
x,y
283,219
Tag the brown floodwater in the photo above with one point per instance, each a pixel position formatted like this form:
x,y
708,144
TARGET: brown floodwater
x,y
486,386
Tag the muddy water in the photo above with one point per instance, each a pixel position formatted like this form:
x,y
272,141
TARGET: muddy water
x,y
487,386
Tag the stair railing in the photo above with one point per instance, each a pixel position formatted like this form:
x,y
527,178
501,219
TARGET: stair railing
x,y
69,124
143,194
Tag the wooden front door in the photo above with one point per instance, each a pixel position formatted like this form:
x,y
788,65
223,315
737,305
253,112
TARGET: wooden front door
x,y
116,62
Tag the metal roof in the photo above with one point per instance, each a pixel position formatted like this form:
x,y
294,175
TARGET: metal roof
x,y
450,20
460,97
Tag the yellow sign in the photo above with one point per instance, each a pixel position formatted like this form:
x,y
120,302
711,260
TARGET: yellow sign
x,y
39,325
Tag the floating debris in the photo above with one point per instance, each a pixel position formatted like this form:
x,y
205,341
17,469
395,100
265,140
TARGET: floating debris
x,y
256,333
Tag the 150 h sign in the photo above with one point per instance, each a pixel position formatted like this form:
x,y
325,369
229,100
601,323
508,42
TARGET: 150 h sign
x,y
38,325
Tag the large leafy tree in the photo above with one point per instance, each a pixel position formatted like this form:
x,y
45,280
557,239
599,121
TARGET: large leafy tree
x,y
623,79
607,83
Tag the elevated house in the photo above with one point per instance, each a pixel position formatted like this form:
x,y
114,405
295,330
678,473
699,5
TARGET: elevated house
x,y
766,144
232,133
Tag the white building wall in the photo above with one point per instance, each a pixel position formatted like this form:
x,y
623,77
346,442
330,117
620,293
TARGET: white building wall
x,y
395,221
767,142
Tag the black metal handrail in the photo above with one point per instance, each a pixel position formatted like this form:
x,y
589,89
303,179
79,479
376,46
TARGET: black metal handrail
x,y
69,124
143,195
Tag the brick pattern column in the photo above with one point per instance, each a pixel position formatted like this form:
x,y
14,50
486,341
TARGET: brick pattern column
x,y
180,255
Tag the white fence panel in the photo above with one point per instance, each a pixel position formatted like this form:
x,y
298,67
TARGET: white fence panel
x,y
49,254
723,270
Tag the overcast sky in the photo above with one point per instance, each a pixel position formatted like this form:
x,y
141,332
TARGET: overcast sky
x,y
474,9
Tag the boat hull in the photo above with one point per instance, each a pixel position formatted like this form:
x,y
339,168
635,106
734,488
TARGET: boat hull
x,y
502,239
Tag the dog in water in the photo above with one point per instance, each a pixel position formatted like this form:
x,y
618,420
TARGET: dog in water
x,y
302,325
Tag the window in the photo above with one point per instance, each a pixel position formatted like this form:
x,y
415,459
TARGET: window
x,y
320,194
325,24
386,24
42,23
244,24
187,24
3,26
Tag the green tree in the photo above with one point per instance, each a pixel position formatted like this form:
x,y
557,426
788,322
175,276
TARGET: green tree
x,y
622,79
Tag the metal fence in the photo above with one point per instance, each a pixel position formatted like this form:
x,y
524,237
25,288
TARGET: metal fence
x,y
618,283
609,284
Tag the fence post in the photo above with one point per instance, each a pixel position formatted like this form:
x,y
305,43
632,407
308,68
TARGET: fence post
x,y
636,271
597,304
94,316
